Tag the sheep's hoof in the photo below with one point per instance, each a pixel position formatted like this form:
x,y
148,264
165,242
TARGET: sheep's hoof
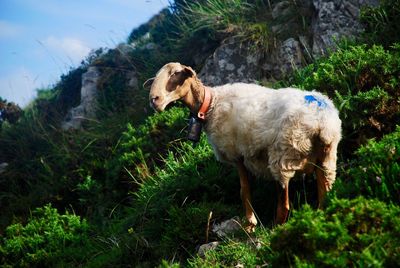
x,y
251,224
250,228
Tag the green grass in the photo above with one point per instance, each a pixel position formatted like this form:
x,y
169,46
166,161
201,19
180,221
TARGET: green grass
x,y
251,22
175,202
217,19
381,23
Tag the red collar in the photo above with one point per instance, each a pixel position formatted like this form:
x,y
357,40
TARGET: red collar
x,y
206,104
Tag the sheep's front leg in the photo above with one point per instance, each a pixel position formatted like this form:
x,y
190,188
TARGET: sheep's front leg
x,y
246,198
282,210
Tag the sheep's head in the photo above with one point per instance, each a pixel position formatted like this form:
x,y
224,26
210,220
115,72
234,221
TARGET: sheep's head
x,y
170,84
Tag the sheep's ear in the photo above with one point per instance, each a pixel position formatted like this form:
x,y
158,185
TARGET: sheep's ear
x,y
178,78
147,84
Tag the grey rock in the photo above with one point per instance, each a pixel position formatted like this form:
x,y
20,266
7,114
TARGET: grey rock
x,y
227,227
283,60
207,247
335,19
88,105
290,56
232,62
132,80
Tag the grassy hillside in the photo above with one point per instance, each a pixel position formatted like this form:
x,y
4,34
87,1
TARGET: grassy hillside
x,y
129,190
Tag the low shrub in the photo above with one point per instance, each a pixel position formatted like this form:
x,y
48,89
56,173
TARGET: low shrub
x,y
143,147
48,239
350,233
374,173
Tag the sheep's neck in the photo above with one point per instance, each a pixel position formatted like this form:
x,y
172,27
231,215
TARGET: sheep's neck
x,y
195,96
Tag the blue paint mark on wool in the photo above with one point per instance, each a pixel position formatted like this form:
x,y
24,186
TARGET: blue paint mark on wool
x,y
310,99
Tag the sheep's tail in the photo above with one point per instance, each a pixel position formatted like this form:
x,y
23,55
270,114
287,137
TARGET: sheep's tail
x,y
330,127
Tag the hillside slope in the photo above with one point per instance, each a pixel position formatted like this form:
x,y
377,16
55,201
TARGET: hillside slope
x,y
123,187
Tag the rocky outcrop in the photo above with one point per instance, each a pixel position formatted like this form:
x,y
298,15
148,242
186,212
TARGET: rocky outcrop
x,y
330,21
335,19
88,105
231,62
286,58
114,62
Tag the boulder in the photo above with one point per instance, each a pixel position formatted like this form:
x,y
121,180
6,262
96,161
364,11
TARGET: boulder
x,y
207,247
335,19
227,227
283,60
88,105
232,62
222,230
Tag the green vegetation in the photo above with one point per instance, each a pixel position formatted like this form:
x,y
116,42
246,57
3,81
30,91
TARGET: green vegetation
x,y
356,232
144,147
170,213
46,240
222,18
141,195
381,23
349,233
374,172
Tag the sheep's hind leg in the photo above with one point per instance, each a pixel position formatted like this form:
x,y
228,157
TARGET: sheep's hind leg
x,y
246,198
326,171
282,210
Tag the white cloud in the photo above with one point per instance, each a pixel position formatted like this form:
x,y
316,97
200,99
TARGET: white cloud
x,y
19,86
9,30
69,49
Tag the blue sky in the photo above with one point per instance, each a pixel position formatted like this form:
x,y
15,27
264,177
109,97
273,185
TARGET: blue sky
x,y
42,39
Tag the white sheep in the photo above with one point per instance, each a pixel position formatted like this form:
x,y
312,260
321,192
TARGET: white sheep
x,y
261,130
